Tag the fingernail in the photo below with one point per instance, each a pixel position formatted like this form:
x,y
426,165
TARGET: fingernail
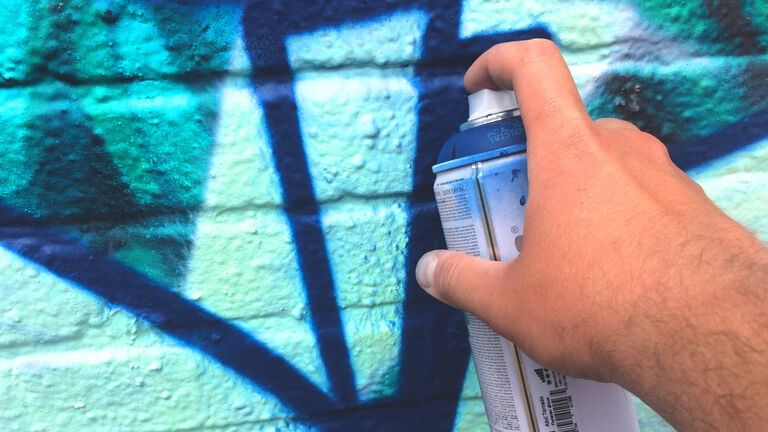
x,y
425,270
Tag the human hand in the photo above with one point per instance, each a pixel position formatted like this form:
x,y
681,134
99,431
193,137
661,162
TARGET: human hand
x,y
629,273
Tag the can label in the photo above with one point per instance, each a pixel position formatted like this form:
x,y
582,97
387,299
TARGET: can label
x,y
482,209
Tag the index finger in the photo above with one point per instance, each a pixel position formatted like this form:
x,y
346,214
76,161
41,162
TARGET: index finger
x,y
536,71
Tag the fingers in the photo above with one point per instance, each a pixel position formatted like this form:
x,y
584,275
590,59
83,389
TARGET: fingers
x,y
548,98
479,286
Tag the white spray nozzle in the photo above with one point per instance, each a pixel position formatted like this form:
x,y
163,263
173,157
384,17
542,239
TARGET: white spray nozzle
x,y
487,102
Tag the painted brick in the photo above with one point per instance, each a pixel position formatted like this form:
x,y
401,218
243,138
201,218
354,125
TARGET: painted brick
x,y
109,40
142,124
366,241
708,94
242,172
390,40
358,132
25,314
245,258
16,159
17,60
140,128
129,389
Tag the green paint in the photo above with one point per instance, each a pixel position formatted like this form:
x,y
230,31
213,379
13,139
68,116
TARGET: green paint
x,y
143,125
102,156
17,51
19,156
684,20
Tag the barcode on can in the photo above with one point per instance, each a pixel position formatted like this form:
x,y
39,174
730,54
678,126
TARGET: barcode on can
x,y
562,409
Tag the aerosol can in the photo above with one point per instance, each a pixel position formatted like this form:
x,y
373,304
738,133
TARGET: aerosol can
x,y
481,191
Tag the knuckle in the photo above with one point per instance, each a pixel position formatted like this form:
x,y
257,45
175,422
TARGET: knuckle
x,y
540,47
615,123
654,147
525,51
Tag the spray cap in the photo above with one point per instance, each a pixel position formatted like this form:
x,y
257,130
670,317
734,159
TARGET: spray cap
x,y
487,102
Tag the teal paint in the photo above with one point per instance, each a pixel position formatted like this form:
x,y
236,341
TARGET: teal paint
x,y
134,125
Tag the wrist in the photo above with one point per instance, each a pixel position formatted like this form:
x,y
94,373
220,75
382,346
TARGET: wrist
x,y
699,355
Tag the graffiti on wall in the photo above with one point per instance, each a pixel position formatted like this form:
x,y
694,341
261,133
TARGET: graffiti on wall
x,y
211,213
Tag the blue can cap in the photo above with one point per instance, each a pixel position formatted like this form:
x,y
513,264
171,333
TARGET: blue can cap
x,y
482,142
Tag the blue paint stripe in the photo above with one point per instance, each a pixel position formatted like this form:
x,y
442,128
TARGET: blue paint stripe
x,y
746,131
117,283
435,350
278,102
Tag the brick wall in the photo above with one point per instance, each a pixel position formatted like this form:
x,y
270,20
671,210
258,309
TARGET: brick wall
x,y
210,211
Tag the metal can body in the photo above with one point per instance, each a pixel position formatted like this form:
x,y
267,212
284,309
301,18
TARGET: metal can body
x,y
481,199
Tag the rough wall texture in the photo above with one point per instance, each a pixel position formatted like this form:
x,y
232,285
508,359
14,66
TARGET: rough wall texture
x,y
210,211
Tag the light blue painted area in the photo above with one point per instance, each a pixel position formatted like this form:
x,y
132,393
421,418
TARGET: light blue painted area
x,y
470,414
648,419
28,315
84,365
366,244
244,266
241,175
393,39
18,159
359,132
738,183
17,47
359,125
576,24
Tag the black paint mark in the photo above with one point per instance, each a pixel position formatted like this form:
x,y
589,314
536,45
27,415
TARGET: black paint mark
x,y
736,28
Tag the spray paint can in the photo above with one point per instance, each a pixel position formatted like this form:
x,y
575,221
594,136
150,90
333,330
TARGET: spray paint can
x,y
481,190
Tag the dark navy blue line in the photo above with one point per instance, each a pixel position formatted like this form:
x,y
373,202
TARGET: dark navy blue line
x,y
117,283
438,366
278,102
698,151
434,350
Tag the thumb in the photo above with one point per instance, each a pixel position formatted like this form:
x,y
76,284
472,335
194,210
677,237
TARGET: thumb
x,y
486,289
